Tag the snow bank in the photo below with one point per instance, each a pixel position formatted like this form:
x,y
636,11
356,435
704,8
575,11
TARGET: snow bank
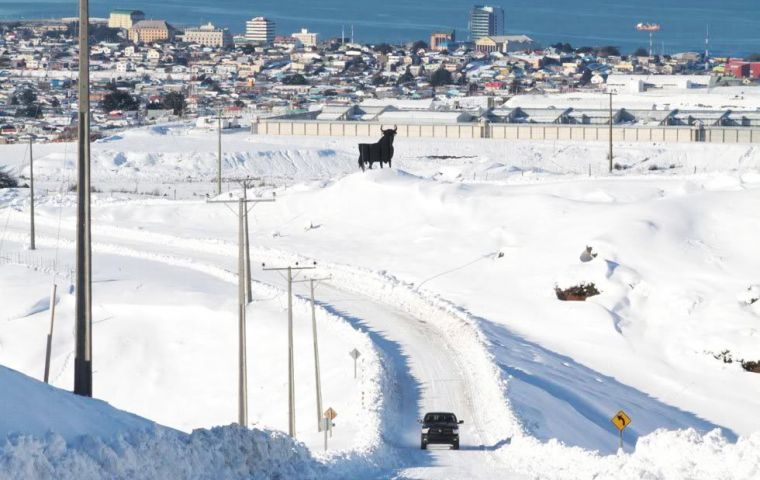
x,y
662,455
230,452
93,440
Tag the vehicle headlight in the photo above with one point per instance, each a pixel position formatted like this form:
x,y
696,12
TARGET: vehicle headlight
x,y
425,429
456,431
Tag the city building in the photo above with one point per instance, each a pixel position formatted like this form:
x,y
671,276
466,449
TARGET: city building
x,y
486,21
307,38
208,35
440,41
125,18
260,29
504,43
149,31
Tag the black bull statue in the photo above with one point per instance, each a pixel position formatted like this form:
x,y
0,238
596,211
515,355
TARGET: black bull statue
x,y
381,151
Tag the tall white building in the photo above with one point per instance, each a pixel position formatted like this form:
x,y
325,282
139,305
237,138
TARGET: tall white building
x,y
260,29
307,38
486,21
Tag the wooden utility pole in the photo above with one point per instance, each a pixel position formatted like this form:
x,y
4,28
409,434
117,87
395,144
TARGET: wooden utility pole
x,y
291,371
219,156
49,348
245,184
610,154
83,358
242,346
31,192
317,376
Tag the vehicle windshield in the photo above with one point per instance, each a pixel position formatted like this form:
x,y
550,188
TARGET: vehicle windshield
x,y
440,418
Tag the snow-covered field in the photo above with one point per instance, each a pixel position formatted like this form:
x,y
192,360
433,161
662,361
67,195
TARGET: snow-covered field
x,y
443,275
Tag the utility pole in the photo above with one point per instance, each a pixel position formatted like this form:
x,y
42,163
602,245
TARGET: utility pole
x,y
317,377
49,348
31,192
610,154
83,358
291,373
245,184
242,346
219,155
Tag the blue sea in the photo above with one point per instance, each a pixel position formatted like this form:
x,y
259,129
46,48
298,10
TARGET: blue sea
x,y
734,25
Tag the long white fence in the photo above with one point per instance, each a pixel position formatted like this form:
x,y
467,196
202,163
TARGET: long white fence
x,y
677,134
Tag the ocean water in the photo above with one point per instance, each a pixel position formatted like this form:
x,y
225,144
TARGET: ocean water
x,y
734,25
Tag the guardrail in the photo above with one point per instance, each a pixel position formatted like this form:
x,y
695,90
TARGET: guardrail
x,y
674,134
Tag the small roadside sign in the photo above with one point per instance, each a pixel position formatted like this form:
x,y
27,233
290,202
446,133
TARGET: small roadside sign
x,y
355,354
621,420
330,413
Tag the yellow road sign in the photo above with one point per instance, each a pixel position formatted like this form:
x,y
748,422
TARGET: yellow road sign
x,y
621,420
330,413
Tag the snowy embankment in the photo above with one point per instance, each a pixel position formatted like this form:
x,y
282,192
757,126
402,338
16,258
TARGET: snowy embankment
x,y
70,437
469,240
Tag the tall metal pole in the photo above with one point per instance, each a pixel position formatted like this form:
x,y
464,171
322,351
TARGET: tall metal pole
x,y
610,154
316,357
83,358
219,156
291,375
31,192
247,248
242,367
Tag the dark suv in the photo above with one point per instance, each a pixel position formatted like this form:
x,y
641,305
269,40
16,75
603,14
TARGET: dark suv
x,y
440,427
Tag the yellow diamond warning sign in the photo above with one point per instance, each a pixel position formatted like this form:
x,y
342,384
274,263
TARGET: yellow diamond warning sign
x,y
621,420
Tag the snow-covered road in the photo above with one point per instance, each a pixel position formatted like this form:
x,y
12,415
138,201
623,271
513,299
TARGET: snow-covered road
x,y
423,366
429,377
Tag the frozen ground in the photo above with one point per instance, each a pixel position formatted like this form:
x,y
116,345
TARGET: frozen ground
x,y
443,274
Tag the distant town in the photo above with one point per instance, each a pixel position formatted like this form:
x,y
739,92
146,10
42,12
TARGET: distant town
x,y
147,70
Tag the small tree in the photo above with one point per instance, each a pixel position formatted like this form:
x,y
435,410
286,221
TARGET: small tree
x,y
119,100
419,45
175,101
406,77
441,77
641,52
609,51
383,48
27,96
7,180
378,80
296,79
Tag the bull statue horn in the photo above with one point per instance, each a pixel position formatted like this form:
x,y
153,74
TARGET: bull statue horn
x,y
395,128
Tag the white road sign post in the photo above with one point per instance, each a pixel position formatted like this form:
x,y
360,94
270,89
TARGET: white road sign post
x,y
355,355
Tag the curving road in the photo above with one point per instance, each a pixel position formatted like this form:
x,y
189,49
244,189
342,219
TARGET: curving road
x,y
422,365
